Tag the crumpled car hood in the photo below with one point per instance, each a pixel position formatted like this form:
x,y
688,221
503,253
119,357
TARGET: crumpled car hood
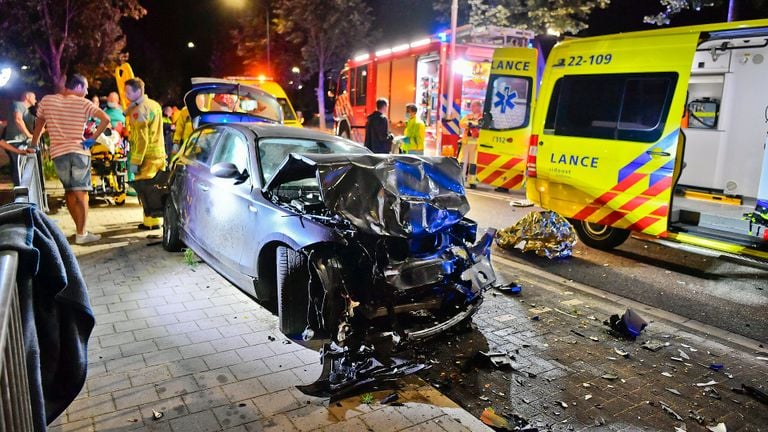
x,y
394,195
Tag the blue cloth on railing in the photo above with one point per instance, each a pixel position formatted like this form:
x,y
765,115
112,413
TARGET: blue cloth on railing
x,y
56,314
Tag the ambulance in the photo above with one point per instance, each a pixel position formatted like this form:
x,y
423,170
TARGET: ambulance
x,y
290,117
659,133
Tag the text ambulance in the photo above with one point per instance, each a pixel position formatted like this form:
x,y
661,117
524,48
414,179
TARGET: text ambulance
x,y
419,73
608,148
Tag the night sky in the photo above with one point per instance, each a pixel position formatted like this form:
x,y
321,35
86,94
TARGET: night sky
x,y
158,43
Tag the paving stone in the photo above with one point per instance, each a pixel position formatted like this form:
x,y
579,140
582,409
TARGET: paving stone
x,y
187,366
161,320
234,330
279,380
353,425
134,324
386,420
283,362
310,417
182,328
123,420
204,335
85,425
205,399
140,347
107,383
125,364
197,350
135,396
250,369
90,407
192,315
241,390
204,421
222,359
170,408
278,423
237,414
162,356
177,386
149,375
116,339
418,412
276,402
229,343
214,378
150,333
172,341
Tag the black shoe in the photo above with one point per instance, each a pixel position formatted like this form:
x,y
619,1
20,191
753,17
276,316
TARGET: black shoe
x,y
147,227
473,186
502,189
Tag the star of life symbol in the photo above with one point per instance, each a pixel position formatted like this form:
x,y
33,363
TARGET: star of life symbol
x,y
505,100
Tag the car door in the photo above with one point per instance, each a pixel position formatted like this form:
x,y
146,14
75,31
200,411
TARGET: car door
x,y
230,209
606,128
193,196
506,128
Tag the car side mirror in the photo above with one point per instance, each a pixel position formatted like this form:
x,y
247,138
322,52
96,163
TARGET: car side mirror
x,y
225,170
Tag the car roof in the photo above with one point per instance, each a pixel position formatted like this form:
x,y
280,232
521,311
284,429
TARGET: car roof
x,y
280,131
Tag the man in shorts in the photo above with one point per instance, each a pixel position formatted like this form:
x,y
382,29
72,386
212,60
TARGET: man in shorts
x,y
65,115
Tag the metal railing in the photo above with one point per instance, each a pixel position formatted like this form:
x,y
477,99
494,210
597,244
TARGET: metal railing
x,y
15,406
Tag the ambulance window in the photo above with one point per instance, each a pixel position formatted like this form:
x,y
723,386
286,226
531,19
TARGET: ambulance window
x,y
630,107
507,102
361,84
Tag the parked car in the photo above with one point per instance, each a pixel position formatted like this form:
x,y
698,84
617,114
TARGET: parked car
x,y
342,244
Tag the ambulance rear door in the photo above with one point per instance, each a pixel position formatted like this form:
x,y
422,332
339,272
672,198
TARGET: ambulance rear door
x,y
606,129
506,127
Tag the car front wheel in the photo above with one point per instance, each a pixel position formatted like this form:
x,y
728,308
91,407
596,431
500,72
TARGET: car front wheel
x,y
598,236
292,292
171,240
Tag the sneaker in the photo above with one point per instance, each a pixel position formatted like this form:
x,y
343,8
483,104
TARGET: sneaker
x,y
86,238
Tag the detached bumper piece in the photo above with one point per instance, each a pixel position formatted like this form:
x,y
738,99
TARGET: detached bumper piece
x,y
345,374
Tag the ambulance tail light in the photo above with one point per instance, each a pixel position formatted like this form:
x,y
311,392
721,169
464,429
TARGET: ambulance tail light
x,y
533,149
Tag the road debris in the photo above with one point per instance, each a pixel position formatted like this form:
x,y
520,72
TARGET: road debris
x,y
565,313
673,391
546,233
654,345
720,427
630,324
562,404
670,411
577,333
683,354
667,374
505,422
716,366
621,352
696,417
587,397
677,359
157,415
498,360
707,384
389,399
756,393
609,377
594,338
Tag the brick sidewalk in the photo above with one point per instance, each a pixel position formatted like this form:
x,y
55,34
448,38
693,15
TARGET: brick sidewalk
x,y
184,342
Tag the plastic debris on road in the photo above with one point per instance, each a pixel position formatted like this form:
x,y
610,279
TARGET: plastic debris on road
x,y
546,233
505,422
654,345
630,324
720,427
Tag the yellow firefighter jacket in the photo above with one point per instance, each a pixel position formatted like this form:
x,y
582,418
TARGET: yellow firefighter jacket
x,y
145,133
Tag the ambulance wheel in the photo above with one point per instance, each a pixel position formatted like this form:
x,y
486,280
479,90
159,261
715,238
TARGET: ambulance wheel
x,y
599,236
171,240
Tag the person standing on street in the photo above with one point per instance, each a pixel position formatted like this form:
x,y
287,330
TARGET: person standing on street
x,y
65,116
377,136
145,133
470,124
415,131
20,122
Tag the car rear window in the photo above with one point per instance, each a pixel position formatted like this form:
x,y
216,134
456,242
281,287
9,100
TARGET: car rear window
x,y
629,107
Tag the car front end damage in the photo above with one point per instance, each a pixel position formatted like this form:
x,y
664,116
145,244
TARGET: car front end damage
x,y
407,266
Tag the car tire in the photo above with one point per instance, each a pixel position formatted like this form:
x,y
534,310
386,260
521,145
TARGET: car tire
x,y
292,292
599,236
171,239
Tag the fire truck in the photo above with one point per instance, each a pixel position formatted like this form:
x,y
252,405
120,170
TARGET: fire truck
x,y
419,72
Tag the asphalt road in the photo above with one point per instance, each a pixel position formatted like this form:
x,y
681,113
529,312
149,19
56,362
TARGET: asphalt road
x,y
714,291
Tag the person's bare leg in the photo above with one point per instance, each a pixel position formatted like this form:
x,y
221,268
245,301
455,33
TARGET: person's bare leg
x,y
77,204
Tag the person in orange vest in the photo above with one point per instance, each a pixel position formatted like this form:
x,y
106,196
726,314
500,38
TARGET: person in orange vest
x,y
470,125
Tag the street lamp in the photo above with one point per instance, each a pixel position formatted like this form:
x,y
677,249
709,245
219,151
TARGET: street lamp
x,y
190,44
295,70
239,4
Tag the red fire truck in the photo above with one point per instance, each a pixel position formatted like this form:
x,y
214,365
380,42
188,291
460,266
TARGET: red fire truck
x,y
418,72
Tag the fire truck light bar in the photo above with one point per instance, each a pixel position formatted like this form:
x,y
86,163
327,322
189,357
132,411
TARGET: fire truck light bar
x,y
400,48
383,52
421,42
362,57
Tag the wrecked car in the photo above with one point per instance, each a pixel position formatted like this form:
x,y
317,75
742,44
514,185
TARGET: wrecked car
x,y
344,245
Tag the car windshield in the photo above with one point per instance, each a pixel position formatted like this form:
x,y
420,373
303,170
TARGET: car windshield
x,y
245,102
272,151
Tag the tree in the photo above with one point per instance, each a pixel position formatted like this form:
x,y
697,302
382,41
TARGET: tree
x,y
327,31
675,7
55,36
541,16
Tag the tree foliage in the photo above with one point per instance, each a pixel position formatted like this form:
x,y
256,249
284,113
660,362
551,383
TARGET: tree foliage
x,y
327,32
670,8
56,37
541,16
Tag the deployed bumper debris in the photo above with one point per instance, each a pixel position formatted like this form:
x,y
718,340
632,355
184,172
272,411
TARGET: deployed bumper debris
x,y
546,233
630,324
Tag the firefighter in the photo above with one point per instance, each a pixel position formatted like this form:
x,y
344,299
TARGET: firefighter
x,y
415,131
470,125
183,129
145,129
